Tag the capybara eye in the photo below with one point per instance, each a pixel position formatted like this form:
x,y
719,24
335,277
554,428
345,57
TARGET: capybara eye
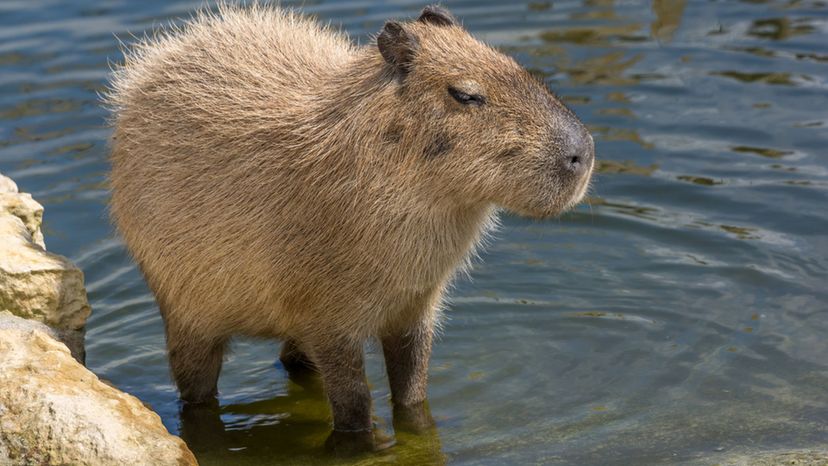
x,y
466,99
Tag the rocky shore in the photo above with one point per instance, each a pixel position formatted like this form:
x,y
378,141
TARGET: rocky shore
x,y
52,409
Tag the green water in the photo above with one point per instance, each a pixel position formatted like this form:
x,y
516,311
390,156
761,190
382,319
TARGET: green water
x,y
679,316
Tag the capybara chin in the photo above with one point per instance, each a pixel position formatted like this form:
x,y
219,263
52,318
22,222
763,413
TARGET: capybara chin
x,y
273,179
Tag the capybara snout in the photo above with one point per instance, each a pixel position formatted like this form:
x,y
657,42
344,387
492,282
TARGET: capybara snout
x,y
578,151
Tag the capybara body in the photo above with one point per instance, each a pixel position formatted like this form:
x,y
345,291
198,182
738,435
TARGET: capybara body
x,y
273,179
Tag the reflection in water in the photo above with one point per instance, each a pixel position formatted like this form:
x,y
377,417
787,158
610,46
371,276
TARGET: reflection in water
x,y
668,19
293,426
766,78
644,213
763,151
539,6
740,232
620,134
27,135
592,36
671,220
597,10
610,315
39,107
628,166
701,180
779,28
621,112
812,56
758,51
606,69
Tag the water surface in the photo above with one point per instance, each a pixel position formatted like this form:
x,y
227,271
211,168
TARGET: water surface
x,y
677,317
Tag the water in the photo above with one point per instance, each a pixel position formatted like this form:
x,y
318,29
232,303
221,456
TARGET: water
x,y
679,317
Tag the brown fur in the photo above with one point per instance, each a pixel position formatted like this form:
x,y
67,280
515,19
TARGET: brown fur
x,y
273,179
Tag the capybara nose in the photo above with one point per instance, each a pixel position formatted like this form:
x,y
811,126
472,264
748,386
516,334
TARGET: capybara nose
x,y
580,152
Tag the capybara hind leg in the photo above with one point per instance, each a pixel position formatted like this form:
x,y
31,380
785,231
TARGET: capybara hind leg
x,y
201,427
195,363
294,359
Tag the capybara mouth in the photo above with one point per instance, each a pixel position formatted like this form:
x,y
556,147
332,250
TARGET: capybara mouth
x,y
563,201
583,187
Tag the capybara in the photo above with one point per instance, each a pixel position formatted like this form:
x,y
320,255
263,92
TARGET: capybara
x,y
273,179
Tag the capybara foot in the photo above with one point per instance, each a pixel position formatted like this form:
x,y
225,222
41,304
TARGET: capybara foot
x,y
345,444
415,418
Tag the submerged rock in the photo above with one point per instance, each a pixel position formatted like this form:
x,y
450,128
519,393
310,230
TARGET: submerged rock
x,y
34,283
55,411
778,458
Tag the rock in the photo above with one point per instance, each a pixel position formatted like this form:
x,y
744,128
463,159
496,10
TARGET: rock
x,y
778,458
7,185
34,283
22,206
9,321
54,411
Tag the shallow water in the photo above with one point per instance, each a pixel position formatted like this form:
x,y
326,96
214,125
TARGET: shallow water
x,y
678,317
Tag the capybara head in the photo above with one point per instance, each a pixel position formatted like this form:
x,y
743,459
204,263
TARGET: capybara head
x,y
495,133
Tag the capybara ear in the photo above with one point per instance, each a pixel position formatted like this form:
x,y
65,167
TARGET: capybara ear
x,y
397,46
437,15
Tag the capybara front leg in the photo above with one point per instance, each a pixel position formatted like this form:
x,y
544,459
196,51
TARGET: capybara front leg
x,y
195,362
407,352
340,361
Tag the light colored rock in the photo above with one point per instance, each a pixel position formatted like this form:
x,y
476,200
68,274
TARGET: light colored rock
x,y
22,206
54,411
7,185
9,322
36,284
